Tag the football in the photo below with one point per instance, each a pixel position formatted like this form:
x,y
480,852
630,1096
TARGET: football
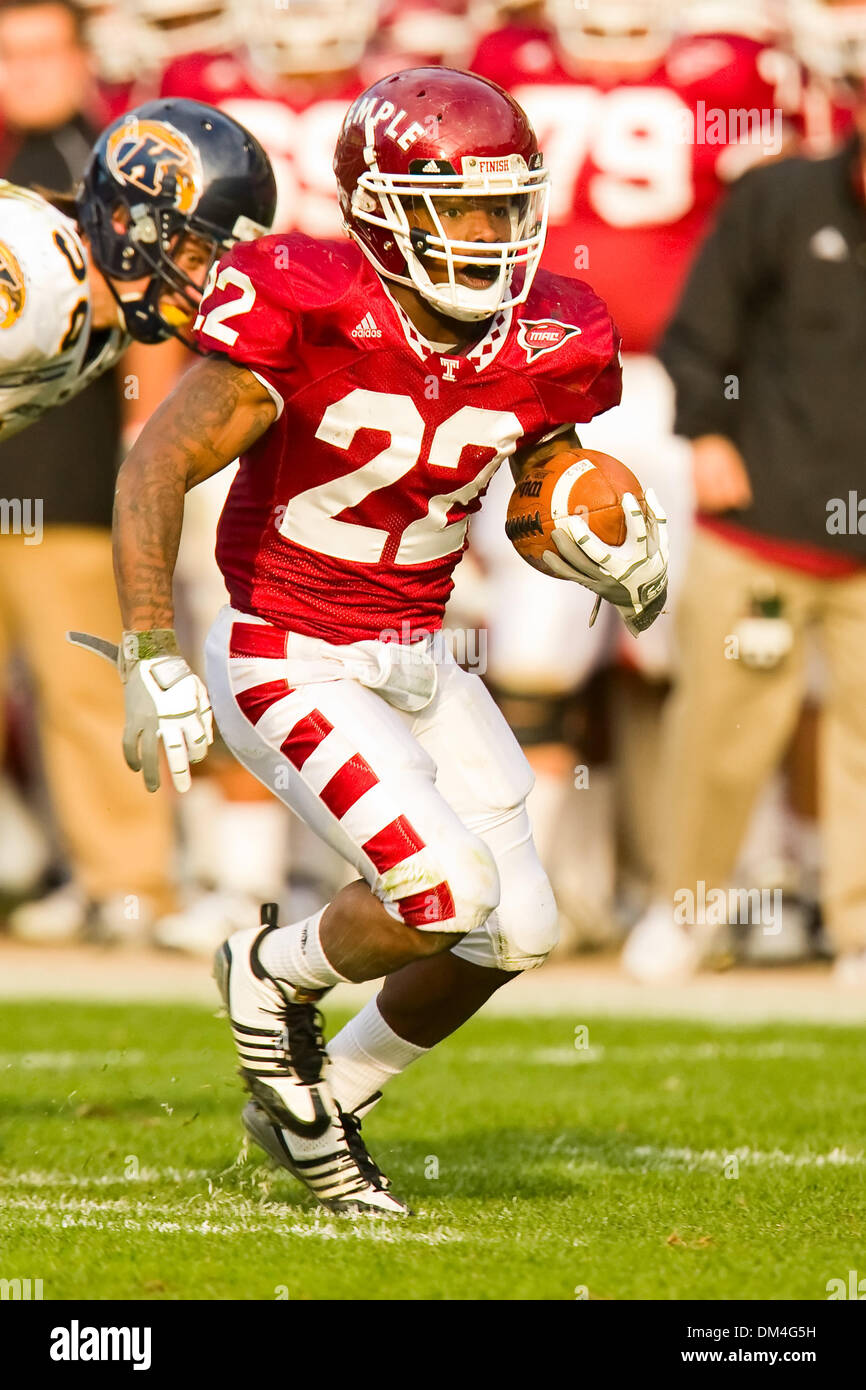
x,y
582,483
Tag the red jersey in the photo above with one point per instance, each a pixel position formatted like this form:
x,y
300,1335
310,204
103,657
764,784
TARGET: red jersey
x,y
297,123
347,518
638,166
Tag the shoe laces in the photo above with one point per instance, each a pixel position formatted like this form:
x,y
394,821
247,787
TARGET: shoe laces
x,y
360,1153
304,1042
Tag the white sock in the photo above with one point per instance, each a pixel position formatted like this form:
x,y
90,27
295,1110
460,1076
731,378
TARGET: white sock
x,y
365,1055
295,954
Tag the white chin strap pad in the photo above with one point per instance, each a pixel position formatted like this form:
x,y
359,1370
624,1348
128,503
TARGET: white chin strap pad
x,y
457,301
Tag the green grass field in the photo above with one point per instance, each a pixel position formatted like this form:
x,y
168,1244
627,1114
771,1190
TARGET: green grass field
x,y
665,1160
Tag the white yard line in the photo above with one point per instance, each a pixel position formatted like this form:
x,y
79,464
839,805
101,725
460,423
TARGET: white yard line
x,y
657,1158
654,1156
125,1214
571,1056
223,1213
68,1061
39,1177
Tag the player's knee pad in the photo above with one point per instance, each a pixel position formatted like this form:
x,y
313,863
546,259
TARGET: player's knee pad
x,y
453,888
528,923
519,936
523,930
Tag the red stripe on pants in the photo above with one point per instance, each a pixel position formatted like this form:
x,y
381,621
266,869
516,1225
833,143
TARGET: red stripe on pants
x,y
433,905
392,844
352,780
256,701
305,738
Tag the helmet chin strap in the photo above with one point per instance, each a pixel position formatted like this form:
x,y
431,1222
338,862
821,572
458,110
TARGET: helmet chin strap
x,y
143,319
120,316
446,298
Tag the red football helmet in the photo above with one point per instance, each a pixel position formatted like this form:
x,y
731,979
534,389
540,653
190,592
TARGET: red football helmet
x,y
422,137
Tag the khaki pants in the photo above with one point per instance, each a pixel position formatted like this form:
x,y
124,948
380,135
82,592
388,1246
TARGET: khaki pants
x,y
726,728
117,836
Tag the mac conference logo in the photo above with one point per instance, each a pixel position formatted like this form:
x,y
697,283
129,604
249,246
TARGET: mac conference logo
x,y
537,336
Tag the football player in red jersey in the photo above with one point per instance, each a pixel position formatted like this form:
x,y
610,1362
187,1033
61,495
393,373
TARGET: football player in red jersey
x,y
642,131
446,31
372,388
171,28
293,74
134,40
642,127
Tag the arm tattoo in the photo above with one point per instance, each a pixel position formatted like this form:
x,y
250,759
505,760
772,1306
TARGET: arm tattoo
x,y
526,459
217,411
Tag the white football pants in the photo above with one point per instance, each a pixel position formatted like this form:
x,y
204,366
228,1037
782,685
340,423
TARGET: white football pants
x,y
428,807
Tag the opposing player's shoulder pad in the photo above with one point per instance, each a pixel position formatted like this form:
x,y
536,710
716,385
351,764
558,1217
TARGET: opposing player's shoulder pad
x,y
569,346
256,296
44,296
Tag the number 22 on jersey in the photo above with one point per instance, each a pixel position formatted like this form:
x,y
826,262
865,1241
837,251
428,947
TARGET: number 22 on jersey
x,y
311,518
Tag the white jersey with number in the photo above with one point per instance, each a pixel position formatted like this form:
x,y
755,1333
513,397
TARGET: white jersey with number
x,y
45,311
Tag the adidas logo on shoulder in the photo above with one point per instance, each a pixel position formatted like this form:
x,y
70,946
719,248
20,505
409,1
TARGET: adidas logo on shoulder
x,y
367,328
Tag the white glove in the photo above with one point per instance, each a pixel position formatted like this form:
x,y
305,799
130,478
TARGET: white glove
x,y
164,700
631,576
